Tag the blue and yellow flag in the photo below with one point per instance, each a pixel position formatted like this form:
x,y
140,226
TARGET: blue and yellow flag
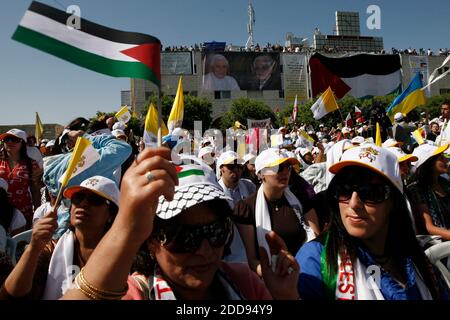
x,y
412,97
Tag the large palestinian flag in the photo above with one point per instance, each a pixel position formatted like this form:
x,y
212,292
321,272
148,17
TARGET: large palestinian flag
x,y
361,75
95,47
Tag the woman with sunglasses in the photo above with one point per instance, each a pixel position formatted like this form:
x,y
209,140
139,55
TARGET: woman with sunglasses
x,y
185,232
430,193
272,207
369,251
21,172
47,268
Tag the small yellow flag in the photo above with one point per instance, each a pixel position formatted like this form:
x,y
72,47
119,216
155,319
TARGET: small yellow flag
x,y
39,128
417,134
378,141
79,159
151,122
177,112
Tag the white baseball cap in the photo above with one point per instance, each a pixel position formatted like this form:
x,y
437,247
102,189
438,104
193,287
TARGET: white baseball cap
x,y
15,133
118,133
391,143
102,186
272,157
401,155
345,130
118,126
372,157
398,116
227,157
3,184
49,144
197,184
304,151
358,140
426,151
249,157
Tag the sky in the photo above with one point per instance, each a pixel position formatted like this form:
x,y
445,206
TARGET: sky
x,y
32,81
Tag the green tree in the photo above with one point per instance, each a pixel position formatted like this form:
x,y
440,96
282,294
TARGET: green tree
x,y
195,109
245,108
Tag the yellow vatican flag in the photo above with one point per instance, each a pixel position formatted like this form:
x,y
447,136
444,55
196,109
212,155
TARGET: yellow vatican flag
x,y
177,112
39,128
83,156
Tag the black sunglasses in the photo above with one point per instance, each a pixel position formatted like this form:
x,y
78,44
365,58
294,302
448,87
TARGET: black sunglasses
x,y
12,139
187,239
368,193
92,198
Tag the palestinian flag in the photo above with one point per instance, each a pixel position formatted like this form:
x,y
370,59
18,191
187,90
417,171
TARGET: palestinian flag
x,y
361,76
112,52
189,170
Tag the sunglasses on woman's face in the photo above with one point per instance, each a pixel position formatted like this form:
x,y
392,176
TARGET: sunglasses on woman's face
x,y
187,239
92,198
12,139
368,193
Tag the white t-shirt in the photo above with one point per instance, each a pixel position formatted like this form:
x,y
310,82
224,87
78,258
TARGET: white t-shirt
x,y
212,83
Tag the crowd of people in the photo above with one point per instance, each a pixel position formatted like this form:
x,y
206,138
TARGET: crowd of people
x,y
315,215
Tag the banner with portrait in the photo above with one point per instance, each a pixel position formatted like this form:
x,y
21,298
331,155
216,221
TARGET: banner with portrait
x,y
230,71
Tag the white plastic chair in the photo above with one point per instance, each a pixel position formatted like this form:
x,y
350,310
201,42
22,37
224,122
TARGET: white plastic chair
x,y
11,244
436,253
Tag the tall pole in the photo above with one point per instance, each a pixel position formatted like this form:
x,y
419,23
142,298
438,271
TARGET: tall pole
x,y
159,117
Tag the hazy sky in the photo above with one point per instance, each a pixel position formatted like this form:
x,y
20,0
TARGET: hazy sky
x,y
35,81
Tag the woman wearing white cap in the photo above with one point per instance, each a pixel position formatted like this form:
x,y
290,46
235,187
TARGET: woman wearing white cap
x,y
185,233
21,172
430,193
369,251
46,268
273,208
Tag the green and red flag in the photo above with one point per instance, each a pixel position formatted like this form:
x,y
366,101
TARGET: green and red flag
x,y
112,52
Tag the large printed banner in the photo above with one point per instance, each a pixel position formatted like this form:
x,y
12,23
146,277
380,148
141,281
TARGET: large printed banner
x,y
253,71
264,123
420,64
295,76
176,63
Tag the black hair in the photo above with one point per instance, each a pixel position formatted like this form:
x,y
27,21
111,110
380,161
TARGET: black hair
x,y
6,210
423,174
78,124
97,124
144,262
400,233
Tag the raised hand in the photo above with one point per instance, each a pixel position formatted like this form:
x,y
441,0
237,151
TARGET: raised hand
x,y
43,231
150,176
280,278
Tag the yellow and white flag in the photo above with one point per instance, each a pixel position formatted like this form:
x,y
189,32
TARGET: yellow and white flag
x,y
418,135
39,128
123,115
84,155
177,112
324,105
151,127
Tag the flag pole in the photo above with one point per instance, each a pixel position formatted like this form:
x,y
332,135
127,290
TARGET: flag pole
x,y
159,118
